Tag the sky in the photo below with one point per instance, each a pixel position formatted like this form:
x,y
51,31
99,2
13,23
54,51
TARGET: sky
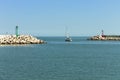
x,y
51,17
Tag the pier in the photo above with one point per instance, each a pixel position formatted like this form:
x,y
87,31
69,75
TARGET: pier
x,y
106,37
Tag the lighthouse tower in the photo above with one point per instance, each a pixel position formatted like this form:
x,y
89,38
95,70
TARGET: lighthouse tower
x,y
102,33
16,31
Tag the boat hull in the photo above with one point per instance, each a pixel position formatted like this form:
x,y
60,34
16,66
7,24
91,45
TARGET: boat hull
x,y
68,39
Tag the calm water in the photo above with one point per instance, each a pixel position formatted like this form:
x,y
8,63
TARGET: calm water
x,y
58,60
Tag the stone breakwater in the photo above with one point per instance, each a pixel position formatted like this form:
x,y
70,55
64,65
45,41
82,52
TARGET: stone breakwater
x,y
106,37
21,39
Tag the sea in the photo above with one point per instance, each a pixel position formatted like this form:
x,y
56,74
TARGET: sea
x,y
80,59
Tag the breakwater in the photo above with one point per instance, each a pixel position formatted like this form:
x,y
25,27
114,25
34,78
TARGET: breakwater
x,y
21,39
106,37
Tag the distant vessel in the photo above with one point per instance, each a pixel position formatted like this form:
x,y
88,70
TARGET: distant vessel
x,y
68,39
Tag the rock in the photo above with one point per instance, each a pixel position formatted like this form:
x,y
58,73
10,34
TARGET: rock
x,y
21,39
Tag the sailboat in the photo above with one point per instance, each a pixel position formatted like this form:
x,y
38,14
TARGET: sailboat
x,y
68,39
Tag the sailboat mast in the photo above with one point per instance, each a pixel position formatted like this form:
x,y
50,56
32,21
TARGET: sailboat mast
x,y
66,32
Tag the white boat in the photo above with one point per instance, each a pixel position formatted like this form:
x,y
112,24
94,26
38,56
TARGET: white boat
x,y
68,39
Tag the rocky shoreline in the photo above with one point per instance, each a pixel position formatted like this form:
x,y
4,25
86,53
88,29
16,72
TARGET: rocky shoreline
x,y
21,39
106,37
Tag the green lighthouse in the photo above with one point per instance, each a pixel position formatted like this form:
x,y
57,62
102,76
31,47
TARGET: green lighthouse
x,y
16,31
